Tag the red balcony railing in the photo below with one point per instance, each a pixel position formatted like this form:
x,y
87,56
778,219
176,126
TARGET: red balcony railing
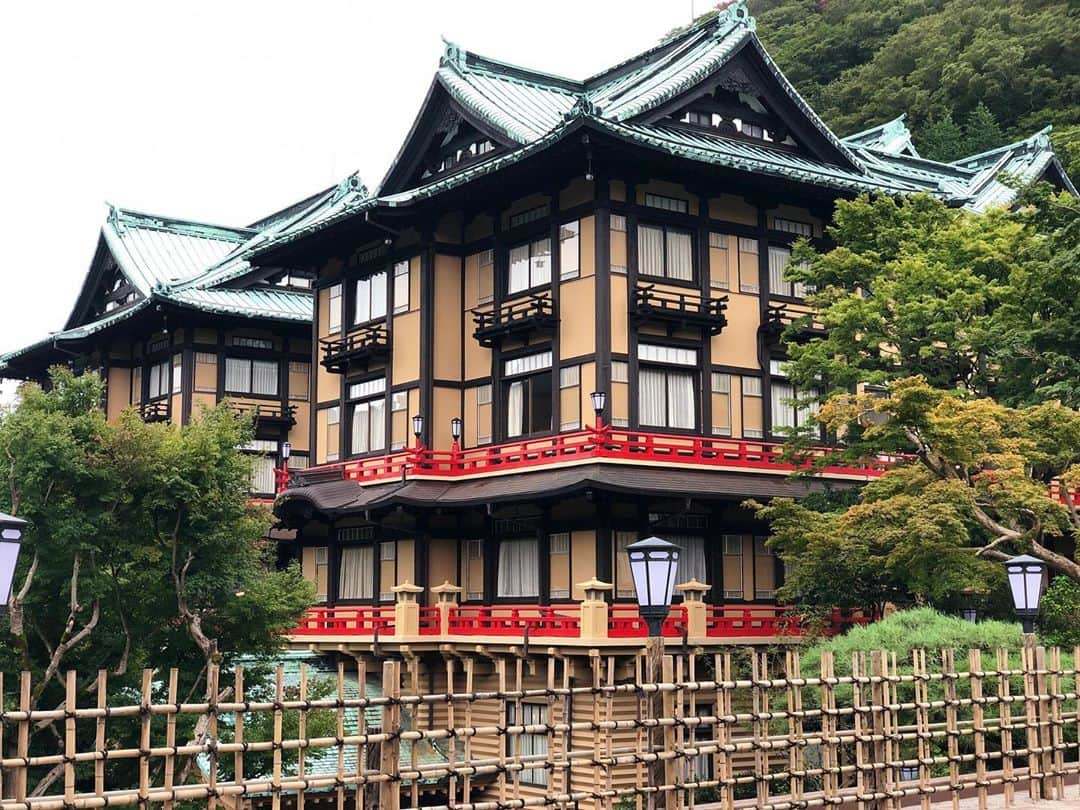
x,y
429,621
361,620
545,621
597,444
624,621
769,620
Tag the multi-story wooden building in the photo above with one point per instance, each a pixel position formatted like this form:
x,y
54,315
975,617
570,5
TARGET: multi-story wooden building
x,y
174,318
539,244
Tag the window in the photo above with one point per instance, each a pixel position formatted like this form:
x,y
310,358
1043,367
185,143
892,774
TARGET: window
x,y
531,215
159,380
485,263
570,250
529,395
252,343
751,408
665,253
177,373
136,385
401,287
483,414
262,475
356,577
666,203
530,266
559,552
718,261
322,572
370,298
620,371
793,226
733,566
251,376
691,558
666,396
570,397
333,432
333,315
474,569
787,415
618,223
368,429
748,265
519,568
299,379
779,259
206,372
530,745
387,552
721,404
624,581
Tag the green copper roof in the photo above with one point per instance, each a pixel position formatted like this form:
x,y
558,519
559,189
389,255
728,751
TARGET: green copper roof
x,y
892,137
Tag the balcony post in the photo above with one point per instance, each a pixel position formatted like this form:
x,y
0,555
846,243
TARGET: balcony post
x,y
446,599
406,610
594,609
697,612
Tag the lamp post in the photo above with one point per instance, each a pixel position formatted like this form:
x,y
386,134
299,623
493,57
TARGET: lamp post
x,y
1027,581
599,400
418,428
283,471
653,566
455,430
11,532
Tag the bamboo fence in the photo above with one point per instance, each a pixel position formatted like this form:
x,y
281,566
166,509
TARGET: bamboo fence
x,y
736,732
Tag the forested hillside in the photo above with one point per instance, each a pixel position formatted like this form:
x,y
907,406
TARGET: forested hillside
x,y
970,74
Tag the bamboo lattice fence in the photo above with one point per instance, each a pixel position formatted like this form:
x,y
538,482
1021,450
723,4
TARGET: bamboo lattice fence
x,y
771,730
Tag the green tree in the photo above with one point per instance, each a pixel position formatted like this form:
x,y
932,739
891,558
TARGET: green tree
x,y
143,549
943,139
981,131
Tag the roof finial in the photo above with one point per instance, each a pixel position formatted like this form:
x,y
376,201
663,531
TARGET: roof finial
x,y
732,14
351,185
582,107
453,56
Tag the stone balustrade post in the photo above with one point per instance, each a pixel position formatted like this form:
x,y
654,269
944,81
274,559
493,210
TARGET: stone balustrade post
x,y
594,609
446,599
697,612
406,610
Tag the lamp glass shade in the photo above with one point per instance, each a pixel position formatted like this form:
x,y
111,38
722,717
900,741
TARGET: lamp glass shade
x,y
417,425
11,531
653,565
455,428
286,450
599,400
1027,581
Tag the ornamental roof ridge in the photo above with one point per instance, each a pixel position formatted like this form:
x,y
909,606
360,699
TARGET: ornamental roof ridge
x,y
1036,141
123,218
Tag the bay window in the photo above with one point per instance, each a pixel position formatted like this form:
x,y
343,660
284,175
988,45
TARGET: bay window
x,y
367,401
356,573
519,568
779,261
244,376
530,266
665,252
370,298
667,387
528,394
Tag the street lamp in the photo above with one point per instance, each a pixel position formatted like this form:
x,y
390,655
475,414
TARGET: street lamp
x,y
418,427
455,429
599,400
11,532
653,566
1027,581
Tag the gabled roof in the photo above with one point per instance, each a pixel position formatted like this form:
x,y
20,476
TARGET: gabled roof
x,y
892,137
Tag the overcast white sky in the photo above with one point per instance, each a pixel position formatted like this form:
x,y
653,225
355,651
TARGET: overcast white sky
x,y
226,111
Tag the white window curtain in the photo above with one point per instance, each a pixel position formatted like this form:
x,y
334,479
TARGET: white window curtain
x,y
650,250
691,558
519,568
401,287
369,426
177,373
377,441
264,377
783,412
362,312
356,579
519,268
333,316
779,257
378,295
680,262
237,375
651,398
515,409
569,252
680,395
540,263
262,474
529,745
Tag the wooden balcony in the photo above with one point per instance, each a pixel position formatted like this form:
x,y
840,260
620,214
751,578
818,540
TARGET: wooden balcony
x,y
269,417
678,311
157,411
779,317
523,318
357,348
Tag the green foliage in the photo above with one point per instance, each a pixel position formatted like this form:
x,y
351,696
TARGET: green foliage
x,y
943,139
861,62
143,548
1059,613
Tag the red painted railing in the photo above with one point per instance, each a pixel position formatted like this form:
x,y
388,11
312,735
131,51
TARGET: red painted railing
x,y
496,620
624,621
597,444
361,620
429,621
768,620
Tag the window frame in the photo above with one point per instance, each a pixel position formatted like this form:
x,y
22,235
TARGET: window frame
x,y
401,306
692,370
576,272
251,361
353,401
527,377
335,297
371,300
666,278
532,285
